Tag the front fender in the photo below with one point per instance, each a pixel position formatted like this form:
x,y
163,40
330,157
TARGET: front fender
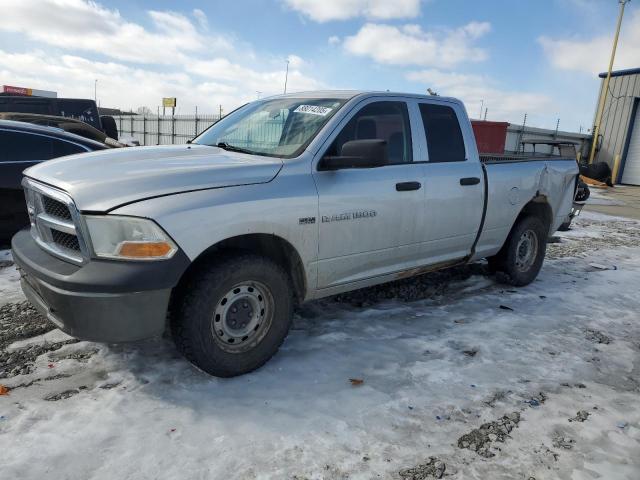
x,y
198,220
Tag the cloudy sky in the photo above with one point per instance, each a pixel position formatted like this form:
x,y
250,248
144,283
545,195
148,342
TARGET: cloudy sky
x,y
535,56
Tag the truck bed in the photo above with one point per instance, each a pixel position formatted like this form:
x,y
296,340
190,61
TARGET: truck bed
x,y
492,158
510,188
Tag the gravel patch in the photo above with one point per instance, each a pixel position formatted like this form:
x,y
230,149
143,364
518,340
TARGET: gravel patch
x,y
432,468
429,285
480,440
21,361
563,441
597,336
581,416
19,321
609,234
62,395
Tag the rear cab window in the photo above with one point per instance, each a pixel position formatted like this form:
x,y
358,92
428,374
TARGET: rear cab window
x,y
442,130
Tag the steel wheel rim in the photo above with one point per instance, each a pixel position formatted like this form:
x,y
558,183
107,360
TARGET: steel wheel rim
x,y
526,250
242,317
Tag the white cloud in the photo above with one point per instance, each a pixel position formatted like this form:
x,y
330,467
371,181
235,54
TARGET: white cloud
x,y
201,18
296,62
503,105
175,58
87,26
126,87
592,55
326,10
410,45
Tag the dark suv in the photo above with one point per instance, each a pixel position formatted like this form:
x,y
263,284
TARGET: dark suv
x,y
81,109
21,146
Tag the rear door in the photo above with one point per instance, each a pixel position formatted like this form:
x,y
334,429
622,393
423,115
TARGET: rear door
x,y
370,219
454,180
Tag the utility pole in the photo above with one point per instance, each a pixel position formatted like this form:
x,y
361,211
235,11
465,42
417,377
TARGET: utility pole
x,y
524,123
95,90
481,105
605,86
286,77
485,114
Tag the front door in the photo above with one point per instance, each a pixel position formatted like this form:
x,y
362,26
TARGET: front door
x,y
370,219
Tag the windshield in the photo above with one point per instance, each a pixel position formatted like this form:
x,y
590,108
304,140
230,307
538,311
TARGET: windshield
x,y
280,127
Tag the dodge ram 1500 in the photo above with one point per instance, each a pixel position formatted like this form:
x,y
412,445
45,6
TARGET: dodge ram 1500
x,y
286,199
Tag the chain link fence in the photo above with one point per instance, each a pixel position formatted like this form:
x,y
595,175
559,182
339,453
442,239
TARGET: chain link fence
x,y
163,129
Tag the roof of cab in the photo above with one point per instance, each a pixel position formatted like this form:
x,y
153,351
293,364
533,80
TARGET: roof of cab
x,y
349,94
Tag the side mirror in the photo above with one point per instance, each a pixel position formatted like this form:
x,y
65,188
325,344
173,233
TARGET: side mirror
x,y
109,126
358,154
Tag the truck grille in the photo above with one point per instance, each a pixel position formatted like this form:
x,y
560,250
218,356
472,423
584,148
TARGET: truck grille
x,y
55,208
55,222
66,240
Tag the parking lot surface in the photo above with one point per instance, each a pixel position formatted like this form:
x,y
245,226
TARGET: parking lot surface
x,y
448,375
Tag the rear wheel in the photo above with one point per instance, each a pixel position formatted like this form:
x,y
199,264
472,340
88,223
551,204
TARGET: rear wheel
x,y
520,259
234,315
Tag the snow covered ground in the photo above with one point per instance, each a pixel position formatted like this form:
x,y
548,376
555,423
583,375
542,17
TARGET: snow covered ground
x,y
560,357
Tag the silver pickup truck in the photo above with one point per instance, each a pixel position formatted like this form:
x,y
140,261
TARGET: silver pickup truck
x,y
285,200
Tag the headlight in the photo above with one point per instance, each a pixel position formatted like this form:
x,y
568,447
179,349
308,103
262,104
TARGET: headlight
x,y
128,238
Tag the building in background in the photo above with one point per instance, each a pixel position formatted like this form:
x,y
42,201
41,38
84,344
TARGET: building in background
x,y
620,126
25,91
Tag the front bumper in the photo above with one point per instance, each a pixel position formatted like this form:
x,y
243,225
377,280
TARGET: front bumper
x,y
103,301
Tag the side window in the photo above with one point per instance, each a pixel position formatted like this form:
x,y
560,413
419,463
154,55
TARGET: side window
x,y
22,146
444,137
379,120
62,148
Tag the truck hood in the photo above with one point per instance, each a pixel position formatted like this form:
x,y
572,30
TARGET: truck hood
x,y
103,180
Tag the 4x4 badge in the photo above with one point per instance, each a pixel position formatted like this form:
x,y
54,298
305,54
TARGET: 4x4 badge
x,y
307,220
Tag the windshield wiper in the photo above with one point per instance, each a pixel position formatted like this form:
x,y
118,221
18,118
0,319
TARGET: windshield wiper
x,y
232,148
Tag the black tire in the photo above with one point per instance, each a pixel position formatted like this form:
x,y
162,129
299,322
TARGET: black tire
x,y
199,331
510,264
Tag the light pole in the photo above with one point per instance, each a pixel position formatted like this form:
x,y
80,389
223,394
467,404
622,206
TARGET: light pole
x,y
605,86
95,91
286,77
481,105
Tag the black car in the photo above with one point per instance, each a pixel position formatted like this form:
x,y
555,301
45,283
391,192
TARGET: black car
x,y
21,146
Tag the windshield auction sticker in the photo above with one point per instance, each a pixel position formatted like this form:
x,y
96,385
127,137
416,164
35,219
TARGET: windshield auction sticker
x,y
313,110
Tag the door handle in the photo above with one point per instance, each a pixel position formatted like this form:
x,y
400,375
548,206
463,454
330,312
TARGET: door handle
x,y
469,181
407,186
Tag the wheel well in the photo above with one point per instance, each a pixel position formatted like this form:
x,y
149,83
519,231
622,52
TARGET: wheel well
x,y
537,207
270,246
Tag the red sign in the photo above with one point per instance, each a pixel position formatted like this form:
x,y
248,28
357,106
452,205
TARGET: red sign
x,y
16,90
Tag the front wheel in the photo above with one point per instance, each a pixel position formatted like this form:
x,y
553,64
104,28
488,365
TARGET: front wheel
x,y
520,259
233,315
